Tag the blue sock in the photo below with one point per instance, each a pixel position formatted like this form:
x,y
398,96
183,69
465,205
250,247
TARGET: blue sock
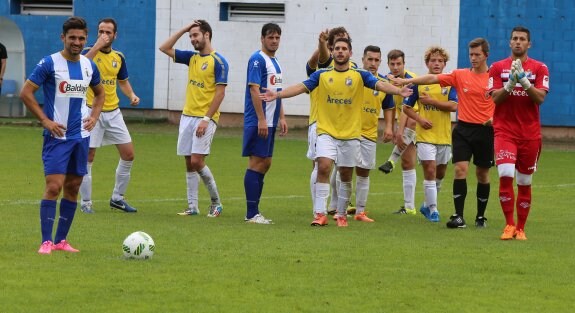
x,y
253,188
67,211
47,216
261,181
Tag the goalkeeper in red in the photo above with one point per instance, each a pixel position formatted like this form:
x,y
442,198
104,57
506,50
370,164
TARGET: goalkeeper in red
x,y
518,85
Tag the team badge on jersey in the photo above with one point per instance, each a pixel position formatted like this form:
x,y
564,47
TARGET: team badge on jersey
x,y
444,91
375,92
330,80
114,64
204,66
348,81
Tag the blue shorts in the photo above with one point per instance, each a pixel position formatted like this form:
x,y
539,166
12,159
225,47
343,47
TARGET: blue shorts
x,y
65,156
255,145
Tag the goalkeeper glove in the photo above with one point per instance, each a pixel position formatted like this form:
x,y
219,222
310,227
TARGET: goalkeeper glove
x,y
521,77
512,81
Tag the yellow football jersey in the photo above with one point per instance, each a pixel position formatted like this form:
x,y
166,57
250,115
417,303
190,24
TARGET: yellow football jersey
x,y
373,102
112,67
340,100
398,99
313,95
204,73
440,133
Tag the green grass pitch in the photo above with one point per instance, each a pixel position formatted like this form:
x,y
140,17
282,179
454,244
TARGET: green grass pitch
x,y
397,264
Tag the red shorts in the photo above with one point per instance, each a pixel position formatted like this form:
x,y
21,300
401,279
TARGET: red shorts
x,y
523,153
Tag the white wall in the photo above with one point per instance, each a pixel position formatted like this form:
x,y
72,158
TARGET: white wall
x,y
410,25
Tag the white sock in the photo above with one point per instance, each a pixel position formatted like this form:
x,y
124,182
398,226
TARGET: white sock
x,y
408,138
438,184
86,186
409,180
395,154
430,191
210,183
192,183
343,197
361,191
334,182
321,194
312,180
122,179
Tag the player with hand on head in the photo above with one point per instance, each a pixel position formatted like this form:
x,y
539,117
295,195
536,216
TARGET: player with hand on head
x,y
207,81
67,123
518,85
433,129
110,128
340,95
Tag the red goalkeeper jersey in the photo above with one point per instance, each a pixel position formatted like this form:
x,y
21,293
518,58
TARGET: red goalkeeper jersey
x,y
518,116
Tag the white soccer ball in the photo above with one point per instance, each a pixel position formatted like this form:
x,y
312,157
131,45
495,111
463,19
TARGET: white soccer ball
x,y
138,245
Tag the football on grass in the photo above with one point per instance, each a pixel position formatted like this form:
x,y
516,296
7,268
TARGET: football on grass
x,y
138,245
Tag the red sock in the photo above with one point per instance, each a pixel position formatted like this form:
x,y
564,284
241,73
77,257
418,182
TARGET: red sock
x,y
523,204
507,198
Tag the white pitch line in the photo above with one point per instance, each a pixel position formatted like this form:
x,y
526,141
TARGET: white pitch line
x,y
377,194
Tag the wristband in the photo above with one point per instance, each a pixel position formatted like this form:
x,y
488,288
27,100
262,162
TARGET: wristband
x,y
206,118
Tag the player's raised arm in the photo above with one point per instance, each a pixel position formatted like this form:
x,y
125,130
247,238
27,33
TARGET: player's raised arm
x,y
323,50
427,79
167,46
289,92
388,88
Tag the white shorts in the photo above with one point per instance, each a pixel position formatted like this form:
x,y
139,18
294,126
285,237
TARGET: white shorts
x,y
110,129
366,156
311,141
441,154
343,152
188,142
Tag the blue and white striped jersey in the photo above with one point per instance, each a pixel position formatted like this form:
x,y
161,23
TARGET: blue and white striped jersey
x,y
265,72
65,84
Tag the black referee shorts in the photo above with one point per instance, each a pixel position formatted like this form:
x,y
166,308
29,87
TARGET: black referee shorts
x,y
473,140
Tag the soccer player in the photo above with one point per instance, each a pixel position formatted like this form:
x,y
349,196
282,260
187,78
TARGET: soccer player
x,y
373,102
473,134
518,85
404,143
65,77
433,129
338,124
261,118
207,81
325,47
110,128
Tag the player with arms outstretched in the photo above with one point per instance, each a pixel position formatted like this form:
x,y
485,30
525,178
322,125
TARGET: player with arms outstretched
x,y
338,124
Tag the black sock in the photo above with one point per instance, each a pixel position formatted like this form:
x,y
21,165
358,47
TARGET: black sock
x,y
482,198
459,194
